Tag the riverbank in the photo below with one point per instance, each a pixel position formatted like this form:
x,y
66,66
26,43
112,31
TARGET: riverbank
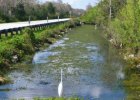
x,y
122,29
15,49
131,82
129,54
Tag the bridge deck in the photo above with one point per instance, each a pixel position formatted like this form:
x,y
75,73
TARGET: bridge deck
x,y
7,26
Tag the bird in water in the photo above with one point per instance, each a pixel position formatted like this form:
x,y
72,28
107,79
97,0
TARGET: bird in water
x,y
60,87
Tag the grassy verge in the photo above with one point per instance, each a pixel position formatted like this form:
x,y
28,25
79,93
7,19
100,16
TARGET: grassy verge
x,y
15,49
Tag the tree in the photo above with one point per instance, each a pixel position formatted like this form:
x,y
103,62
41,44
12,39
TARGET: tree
x,y
88,6
60,1
19,12
51,10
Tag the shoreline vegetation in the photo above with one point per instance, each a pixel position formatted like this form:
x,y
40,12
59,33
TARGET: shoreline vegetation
x,y
121,27
121,33
15,49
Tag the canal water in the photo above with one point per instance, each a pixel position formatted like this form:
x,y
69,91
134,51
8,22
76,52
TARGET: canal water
x,y
92,70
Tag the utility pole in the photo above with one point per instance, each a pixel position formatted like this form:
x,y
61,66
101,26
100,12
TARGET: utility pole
x,y
110,12
58,17
110,16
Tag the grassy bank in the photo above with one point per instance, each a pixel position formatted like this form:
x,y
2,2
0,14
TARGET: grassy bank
x,y
16,48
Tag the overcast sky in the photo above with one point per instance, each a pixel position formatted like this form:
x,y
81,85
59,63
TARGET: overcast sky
x,y
77,3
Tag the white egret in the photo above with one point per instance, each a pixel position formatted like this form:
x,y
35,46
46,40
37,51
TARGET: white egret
x,y
60,86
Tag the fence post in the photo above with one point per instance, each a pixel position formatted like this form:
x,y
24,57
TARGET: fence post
x,y
47,19
58,18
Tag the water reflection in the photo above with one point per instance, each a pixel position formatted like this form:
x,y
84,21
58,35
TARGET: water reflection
x,y
96,91
120,74
90,70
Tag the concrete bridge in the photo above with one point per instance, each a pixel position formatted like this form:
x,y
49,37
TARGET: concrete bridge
x,y
6,28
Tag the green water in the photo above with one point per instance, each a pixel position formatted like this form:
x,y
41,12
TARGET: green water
x,y
92,69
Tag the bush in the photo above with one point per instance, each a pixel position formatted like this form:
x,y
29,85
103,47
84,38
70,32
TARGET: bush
x,y
29,40
2,21
31,35
6,51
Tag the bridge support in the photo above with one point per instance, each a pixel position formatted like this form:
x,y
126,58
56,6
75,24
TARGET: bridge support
x,y
16,31
6,33
0,34
11,30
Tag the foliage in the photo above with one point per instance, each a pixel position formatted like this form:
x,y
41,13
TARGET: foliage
x,y
90,15
124,25
52,10
132,83
6,52
20,10
18,45
128,30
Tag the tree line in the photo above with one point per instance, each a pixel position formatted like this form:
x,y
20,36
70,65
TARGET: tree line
x,y
20,10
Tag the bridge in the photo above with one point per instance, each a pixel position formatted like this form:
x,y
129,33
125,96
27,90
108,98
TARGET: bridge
x,y
6,28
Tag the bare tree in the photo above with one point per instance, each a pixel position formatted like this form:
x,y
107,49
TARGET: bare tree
x,y
89,6
60,1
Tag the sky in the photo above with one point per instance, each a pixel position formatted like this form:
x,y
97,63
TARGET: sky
x,y
81,4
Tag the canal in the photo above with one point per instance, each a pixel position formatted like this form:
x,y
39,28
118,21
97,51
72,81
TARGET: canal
x,y
92,69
